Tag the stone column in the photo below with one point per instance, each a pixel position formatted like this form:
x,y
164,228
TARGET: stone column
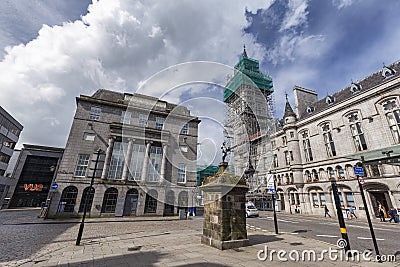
x,y
146,162
128,157
163,163
107,160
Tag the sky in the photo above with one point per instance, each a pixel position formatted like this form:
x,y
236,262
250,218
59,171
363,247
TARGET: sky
x,y
54,50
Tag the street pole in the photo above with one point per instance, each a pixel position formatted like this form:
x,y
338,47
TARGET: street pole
x,y
342,224
371,229
82,225
273,204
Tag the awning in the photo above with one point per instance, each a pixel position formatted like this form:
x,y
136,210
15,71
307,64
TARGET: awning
x,y
387,155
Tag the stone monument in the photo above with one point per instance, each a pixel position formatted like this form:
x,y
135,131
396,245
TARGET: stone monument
x,y
224,208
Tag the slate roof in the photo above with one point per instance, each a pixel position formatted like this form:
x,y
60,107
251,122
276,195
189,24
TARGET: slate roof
x,y
288,110
344,94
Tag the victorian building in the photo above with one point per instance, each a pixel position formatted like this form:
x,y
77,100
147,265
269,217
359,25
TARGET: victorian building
x,y
140,151
322,140
10,130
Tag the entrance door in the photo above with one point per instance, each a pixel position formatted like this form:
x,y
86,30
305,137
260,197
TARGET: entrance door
x,y
379,198
131,202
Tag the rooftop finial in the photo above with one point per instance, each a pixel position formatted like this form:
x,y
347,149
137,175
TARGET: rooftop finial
x,y
286,95
244,51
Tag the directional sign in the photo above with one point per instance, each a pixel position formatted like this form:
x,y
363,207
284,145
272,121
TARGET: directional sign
x,y
271,191
54,186
358,171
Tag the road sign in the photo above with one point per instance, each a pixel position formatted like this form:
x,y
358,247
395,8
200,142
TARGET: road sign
x,y
361,180
358,171
271,191
54,186
270,181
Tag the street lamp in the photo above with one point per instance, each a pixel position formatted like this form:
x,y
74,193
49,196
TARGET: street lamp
x,y
82,225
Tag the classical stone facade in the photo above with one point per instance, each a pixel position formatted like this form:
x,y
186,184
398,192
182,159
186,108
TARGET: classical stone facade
x,y
324,139
148,159
10,130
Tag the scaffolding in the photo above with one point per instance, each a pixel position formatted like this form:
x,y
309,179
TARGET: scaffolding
x,y
249,119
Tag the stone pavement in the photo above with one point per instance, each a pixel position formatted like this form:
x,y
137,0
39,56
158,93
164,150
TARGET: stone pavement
x,y
178,247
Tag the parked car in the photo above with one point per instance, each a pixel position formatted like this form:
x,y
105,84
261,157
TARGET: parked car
x,y
251,210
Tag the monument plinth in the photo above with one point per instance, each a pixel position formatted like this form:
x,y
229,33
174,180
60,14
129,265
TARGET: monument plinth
x,y
224,210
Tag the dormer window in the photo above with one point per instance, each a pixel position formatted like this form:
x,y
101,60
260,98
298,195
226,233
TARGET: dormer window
x,y
355,88
388,72
310,109
329,100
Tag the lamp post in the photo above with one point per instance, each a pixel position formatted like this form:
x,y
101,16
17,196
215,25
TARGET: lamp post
x,y
273,204
82,225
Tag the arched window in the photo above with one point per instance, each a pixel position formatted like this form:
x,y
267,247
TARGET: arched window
x,y
307,145
390,108
331,173
355,88
328,140
183,199
340,173
169,203
68,199
87,199
322,174
356,131
315,176
307,175
388,72
109,200
150,206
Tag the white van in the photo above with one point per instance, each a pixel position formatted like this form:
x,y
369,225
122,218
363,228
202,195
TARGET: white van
x,y
251,210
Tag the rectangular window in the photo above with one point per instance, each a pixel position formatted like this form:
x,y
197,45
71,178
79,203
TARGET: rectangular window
x,y
307,147
323,199
291,134
315,199
185,129
350,199
89,136
329,145
126,117
142,120
291,155
81,165
4,158
284,141
154,166
358,136
160,123
181,173
95,113
137,160
276,165
287,157
273,144
117,161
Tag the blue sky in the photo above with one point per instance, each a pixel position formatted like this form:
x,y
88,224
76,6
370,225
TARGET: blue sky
x,y
54,50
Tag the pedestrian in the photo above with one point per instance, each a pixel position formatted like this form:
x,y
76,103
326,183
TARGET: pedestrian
x,y
393,215
327,212
381,213
352,212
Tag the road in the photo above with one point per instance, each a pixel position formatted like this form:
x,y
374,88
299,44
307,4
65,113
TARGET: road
x,y
327,230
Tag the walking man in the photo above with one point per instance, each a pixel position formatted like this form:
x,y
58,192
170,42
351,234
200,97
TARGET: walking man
x,y
393,215
327,212
352,212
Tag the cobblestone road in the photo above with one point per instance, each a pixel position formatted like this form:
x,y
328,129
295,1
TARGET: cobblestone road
x,y
24,236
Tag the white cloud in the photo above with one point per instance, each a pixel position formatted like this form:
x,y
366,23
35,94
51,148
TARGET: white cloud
x,y
116,45
296,14
339,4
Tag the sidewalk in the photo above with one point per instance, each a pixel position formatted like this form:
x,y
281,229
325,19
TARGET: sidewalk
x,y
180,248
319,217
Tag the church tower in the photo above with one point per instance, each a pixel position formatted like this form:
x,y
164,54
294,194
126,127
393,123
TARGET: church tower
x,y
249,117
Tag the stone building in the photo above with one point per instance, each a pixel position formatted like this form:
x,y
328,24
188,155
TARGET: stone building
x,y
34,173
10,130
148,159
324,139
